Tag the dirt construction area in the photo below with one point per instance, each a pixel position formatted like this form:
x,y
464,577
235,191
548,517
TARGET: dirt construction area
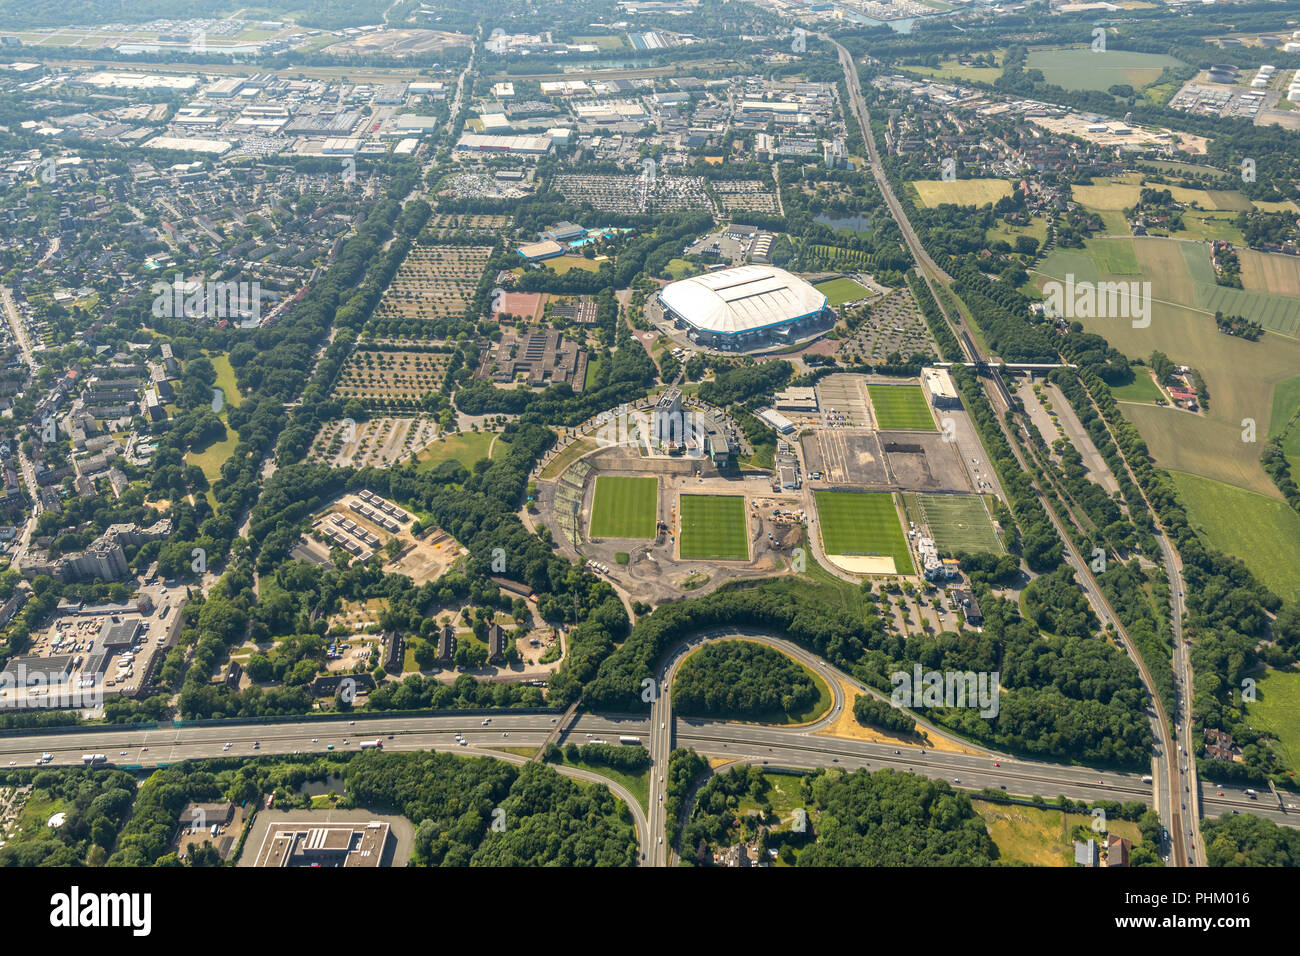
x,y
653,573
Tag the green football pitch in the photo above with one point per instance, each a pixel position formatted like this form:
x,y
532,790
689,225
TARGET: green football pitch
x,y
900,407
624,507
714,527
959,524
863,523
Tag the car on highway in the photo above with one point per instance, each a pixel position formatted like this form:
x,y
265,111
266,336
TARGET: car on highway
x,y
486,721
228,745
329,746
13,763
121,753
955,779
315,740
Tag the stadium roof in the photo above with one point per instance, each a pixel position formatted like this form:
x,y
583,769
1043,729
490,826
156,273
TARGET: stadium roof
x,y
740,300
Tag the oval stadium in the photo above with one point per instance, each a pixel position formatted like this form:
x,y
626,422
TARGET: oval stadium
x,y
747,307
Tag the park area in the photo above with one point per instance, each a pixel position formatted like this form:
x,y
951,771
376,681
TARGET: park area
x,y
863,524
714,528
624,507
900,408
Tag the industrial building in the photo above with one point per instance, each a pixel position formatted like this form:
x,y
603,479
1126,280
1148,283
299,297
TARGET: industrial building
x,y
746,307
939,386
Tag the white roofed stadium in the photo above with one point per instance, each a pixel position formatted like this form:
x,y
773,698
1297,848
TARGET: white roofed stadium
x,y
746,307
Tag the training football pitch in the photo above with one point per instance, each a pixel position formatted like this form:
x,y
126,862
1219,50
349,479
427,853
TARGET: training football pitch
x,y
900,407
624,507
714,528
959,524
863,523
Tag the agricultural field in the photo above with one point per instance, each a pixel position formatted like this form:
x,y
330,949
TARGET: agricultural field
x,y
434,282
1263,532
1240,375
959,524
863,523
1286,402
1276,711
714,528
1268,272
839,291
1079,68
900,407
625,507
384,375
961,192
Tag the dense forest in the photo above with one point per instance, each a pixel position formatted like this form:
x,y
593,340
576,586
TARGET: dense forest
x,y
743,680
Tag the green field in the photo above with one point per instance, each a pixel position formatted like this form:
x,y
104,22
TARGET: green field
x,y
839,291
1263,532
959,523
226,379
900,407
863,523
625,507
1143,388
961,192
466,448
1241,376
714,528
1079,68
1286,402
1276,711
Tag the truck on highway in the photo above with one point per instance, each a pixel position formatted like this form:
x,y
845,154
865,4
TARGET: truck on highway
x,y
375,744
630,741
1147,778
93,760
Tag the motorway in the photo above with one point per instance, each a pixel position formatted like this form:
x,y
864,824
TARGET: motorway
x,y
797,747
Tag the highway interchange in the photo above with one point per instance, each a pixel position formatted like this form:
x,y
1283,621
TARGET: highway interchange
x,y
486,733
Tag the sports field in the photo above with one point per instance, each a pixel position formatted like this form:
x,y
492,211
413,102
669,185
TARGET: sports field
x,y
863,523
900,407
839,291
959,524
961,192
714,528
1262,532
624,507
